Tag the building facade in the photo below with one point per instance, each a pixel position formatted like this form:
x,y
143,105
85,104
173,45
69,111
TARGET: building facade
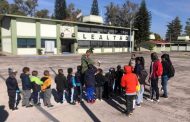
x,y
22,35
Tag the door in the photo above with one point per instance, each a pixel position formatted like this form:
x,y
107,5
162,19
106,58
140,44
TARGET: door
x,y
49,46
66,45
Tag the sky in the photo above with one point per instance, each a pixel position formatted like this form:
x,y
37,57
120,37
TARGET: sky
x,y
162,11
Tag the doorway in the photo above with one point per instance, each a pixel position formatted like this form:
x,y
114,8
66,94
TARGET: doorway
x,y
66,45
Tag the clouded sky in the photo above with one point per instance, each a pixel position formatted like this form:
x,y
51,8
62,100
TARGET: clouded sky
x,y
163,11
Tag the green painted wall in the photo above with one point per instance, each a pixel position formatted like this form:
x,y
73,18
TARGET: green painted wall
x,y
58,39
38,36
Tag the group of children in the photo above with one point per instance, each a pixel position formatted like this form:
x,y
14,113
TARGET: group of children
x,y
96,85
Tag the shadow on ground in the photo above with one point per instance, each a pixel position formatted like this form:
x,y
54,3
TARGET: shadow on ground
x,y
3,114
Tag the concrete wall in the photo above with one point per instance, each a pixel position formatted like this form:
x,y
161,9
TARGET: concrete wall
x,y
108,50
174,48
97,50
188,48
6,45
182,48
118,50
6,28
48,30
26,51
27,29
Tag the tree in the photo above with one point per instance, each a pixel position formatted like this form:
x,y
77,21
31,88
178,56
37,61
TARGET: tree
x,y
174,29
94,8
121,15
4,7
13,9
142,23
72,12
157,36
127,13
112,14
60,9
187,27
26,6
42,13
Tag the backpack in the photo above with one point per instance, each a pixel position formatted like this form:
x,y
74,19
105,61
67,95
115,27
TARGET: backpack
x,y
171,71
143,75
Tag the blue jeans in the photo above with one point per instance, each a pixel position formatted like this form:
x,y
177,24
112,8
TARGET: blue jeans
x,y
164,84
140,94
90,93
72,95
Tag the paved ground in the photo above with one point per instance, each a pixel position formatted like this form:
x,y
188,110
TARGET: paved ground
x,y
175,109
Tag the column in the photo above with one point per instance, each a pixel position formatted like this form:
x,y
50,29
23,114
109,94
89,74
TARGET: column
x,y
58,39
38,35
14,36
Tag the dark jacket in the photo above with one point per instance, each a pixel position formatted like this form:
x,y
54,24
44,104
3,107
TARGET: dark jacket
x,y
118,74
100,80
166,66
26,83
78,77
61,82
12,84
138,69
90,77
71,81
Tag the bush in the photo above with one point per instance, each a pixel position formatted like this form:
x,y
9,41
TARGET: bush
x,y
148,45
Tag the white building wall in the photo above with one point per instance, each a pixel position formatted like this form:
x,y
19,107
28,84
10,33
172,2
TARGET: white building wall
x,y
48,30
6,45
118,49
182,48
188,48
26,29
107,50
174,48
26,51
6,28
97,50
82,50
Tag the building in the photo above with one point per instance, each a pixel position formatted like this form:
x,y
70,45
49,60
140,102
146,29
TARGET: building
x,y
156,46
21,35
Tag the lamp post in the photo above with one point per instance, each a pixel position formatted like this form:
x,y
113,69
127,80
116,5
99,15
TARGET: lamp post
x,y
131,26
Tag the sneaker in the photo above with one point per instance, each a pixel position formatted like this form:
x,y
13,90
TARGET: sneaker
x,y
29,106
49,106
73,103
138,105
151,100
157,100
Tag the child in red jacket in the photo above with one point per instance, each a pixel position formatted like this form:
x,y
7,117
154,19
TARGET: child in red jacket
x,y
129,81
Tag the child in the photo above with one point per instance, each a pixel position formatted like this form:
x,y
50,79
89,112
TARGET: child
x,y
129,82
36,83
78,84
100,80
26,87
119,74
46,88
61,85
90,83
142,75
132,61
13,90
71,85
111,82
156,71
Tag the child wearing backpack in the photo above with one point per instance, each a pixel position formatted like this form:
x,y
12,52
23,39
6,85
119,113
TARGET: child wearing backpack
x,y
36,87
168,72
61,85
13,90
156,71
71,85
129,82
142,75
78,80
26,87
46,88
90,83
100,80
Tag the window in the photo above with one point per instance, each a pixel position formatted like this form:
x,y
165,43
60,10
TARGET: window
x,y
111,43
84,29
43,42
105,44
26,43
84,43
